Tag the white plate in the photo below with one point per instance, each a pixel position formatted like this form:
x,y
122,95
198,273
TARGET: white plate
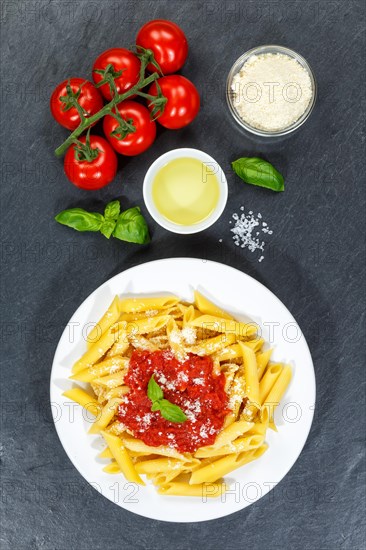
x,y
242,296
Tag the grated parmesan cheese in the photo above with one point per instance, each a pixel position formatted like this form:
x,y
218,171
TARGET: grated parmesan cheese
x,y
271,91
189,335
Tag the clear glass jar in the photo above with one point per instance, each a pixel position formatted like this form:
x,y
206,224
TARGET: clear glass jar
x,y
231,98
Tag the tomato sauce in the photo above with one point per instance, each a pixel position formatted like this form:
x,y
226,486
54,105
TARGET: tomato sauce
x,y
190,384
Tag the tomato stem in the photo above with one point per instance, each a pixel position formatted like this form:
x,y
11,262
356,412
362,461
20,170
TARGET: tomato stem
x,y
108,108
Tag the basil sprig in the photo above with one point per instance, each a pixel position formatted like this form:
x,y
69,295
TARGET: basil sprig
x,y
168,410
129,225
258,172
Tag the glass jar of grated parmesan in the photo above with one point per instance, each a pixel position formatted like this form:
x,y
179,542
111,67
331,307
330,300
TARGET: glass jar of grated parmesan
x,y
271,91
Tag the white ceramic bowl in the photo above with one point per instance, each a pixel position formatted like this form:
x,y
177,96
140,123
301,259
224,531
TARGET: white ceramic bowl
x,y
162,161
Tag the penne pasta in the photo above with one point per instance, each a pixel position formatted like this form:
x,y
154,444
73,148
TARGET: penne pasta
x,y
97,350
109,366
161,372
228,326
106,415
251,375
136,305
262,361
223,466
273,371
203,490
110,317
242,444
122,458
275,395
206,306
211,345
175,340
84,399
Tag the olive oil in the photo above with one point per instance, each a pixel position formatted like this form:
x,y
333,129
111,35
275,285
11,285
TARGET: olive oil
x,y
185,191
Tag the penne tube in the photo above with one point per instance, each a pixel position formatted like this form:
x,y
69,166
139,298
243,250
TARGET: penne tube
x,y
165,464
106,453
255,344
211,345
144,326
206,306
100,348
232,432
229,353
84,399
122,458
120,391
142,343
275,395
109,318
108,412
262,361
273,371
137,445
108,366
242,444
164,477
203,490
258,429
189,315
120,347
251,375
217,324
112,468
136,305
175,340
219,468
110,381
229,371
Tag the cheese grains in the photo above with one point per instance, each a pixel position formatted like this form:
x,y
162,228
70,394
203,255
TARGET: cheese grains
x,y
271,91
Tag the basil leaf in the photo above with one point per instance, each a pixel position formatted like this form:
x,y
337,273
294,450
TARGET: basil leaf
x,y
154,391
258,172
80,219
112,210
131,227
171,412
108,228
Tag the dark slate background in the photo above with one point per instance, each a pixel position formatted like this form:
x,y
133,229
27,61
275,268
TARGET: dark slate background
x,y
314,261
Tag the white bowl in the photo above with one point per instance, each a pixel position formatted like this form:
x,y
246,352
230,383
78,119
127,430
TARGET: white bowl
x,y
162,161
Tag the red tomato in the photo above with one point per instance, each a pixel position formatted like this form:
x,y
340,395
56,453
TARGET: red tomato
x,y
167,41
89,99
183,101
138,141
120,59
94,174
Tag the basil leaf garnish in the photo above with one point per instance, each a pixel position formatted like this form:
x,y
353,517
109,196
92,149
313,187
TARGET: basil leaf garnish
x,y
154,391
131,227
168,410
171,412
80,219
258,172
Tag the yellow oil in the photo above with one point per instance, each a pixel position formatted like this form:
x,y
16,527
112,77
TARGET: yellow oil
x,y
185,191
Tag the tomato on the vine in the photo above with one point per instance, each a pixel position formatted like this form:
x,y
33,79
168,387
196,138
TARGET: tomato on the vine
x,y
91,164
121,60
168,43
66,94
136,117
183,101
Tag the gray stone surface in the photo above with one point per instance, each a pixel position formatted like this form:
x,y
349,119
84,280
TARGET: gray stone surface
x,y
314,261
